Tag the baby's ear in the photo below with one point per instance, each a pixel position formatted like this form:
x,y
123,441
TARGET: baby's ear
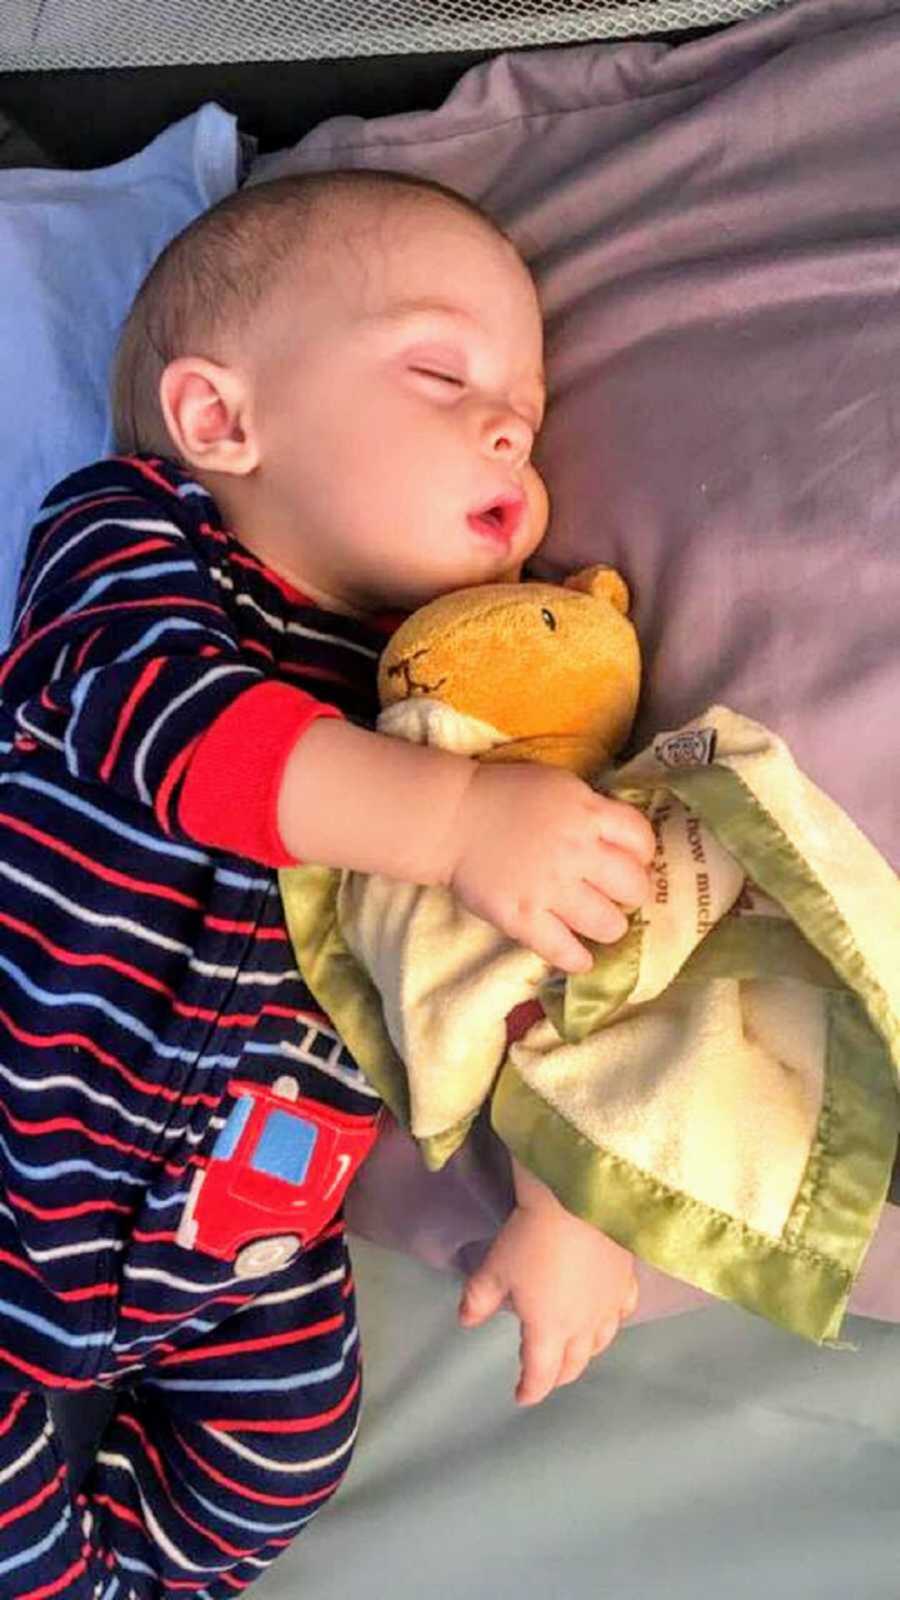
x,y
204,407
605,583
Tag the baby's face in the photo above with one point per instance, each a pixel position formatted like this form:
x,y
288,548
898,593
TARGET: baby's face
x,y
394,397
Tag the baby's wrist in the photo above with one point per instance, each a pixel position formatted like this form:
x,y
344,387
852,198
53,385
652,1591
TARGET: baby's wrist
x,y
450,814
533,1195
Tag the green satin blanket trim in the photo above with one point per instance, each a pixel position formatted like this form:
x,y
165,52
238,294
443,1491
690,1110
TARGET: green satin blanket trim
x,y
801,1281
437,1149
757,947
579,1006
850,1163
755,839
341,986
344,989
846,1181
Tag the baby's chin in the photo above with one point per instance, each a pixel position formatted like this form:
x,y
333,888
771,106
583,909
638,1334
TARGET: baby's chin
x,y
472,580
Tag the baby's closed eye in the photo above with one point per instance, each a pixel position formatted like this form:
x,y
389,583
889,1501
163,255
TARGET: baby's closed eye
x,y
441,377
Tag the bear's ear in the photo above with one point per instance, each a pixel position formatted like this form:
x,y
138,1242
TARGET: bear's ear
x,y
605,583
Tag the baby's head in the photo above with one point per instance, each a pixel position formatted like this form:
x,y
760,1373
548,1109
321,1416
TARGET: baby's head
x,y
351,363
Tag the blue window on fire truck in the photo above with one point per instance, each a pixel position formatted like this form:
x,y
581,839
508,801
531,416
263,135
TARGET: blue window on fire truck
x,y
226,1144
285,1146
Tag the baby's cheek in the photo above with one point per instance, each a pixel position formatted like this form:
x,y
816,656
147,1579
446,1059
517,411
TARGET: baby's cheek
x,y
538,500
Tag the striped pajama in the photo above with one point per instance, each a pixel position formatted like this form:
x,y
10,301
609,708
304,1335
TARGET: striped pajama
x,y
157,677
217,1455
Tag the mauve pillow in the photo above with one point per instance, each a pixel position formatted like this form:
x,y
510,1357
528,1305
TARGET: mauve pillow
x,y
715,232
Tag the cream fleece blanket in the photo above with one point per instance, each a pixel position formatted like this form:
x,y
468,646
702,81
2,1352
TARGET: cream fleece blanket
x,y
720,1093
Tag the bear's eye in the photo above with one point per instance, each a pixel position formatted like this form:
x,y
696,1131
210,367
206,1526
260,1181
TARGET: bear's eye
x,y
549,618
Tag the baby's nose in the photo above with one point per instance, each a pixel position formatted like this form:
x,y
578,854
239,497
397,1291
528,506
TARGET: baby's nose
x,y
508,435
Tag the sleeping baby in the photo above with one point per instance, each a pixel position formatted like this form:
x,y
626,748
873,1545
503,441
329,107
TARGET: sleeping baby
x,y
326,398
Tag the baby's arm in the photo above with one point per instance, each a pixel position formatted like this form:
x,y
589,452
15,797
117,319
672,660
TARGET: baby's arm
x,y
569,1285
531,849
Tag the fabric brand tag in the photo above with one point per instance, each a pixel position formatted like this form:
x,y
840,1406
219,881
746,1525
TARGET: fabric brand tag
x,y
692,747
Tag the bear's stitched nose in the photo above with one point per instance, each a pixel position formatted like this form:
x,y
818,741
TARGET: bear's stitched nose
x,y
412,687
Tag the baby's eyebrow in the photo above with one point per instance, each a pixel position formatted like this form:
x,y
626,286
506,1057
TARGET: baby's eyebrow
x,y
405,309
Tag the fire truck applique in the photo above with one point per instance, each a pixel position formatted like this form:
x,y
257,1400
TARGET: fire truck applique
x,y
275,1177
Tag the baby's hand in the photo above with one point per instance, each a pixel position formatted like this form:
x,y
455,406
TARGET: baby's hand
x,y
570,1286
538,853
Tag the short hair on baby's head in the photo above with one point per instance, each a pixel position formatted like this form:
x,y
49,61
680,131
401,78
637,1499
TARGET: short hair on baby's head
x,y
212,278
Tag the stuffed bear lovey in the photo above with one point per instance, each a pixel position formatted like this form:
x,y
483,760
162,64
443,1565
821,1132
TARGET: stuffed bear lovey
x,y
720,1092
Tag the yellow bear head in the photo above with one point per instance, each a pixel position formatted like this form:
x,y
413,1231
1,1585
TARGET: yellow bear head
x,y
553,667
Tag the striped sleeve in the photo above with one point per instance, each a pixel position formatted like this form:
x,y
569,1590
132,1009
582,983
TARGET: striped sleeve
x,y
124,660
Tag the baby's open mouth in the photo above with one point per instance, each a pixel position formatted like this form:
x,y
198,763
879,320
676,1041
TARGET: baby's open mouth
x,y
499,519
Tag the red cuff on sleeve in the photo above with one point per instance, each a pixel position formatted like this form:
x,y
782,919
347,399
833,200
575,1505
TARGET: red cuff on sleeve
x,y
229,799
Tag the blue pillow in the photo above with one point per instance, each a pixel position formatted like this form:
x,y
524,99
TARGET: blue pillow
x,y
74,247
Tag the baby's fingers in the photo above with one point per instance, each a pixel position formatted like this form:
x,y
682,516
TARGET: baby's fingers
x,y
626,827
618,875
590,913
540,1359
583,911
551,940
604,1337
578,1353
483,1295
